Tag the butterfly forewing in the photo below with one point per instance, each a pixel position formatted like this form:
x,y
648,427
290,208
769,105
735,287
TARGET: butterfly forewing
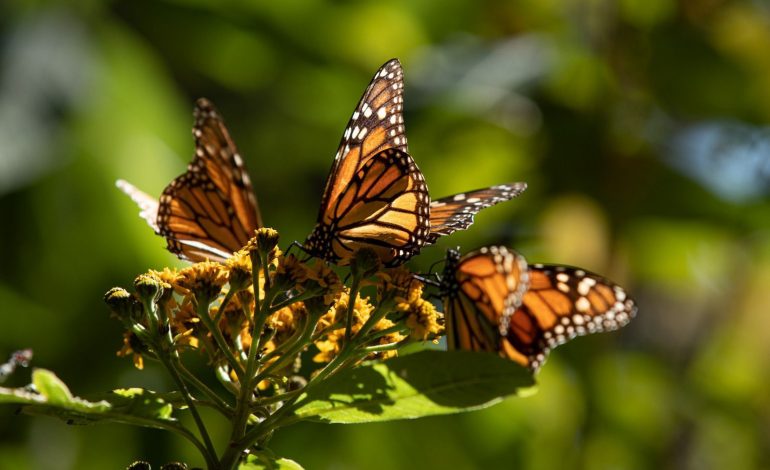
x,y
564,302
481,291
210,211
377,124
452,213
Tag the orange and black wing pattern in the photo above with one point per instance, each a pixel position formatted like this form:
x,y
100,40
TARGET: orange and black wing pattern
x,y
377,124
210,211
481,291
375,195
452,213
384,207
376,129
557,304
562,303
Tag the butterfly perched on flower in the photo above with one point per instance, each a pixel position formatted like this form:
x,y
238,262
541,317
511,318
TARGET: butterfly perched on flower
x,y
495,302
375,195
210,211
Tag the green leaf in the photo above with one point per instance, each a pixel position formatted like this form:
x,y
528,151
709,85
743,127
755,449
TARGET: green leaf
x,y
254,463
51,387
144,403
49,396
421,384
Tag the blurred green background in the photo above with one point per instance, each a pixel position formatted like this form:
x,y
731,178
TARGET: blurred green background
x,y
640,126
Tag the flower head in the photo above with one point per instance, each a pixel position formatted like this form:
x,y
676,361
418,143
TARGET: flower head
x,y
290,273
263,245
123,305
365,263
238,267
323,280
149,287
204,280
286,321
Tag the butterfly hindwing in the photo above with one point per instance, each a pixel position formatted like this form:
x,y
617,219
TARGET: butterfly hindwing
x,y
384,207
452,213
148,206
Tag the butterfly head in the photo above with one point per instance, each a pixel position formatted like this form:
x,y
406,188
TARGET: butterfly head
x,y
448,279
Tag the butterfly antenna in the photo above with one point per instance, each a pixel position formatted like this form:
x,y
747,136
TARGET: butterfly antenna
x,y
301,247
430,269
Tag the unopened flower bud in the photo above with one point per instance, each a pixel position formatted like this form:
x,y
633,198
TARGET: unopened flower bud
x,y
123,304
365,263
148,287
267,239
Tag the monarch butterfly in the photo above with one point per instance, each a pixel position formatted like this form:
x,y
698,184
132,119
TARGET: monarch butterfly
x,y
209,211
393,215
495,302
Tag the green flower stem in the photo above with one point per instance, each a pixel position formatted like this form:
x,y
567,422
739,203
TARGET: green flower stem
x,y
243,403
245,309
281,348
320,333
302,296
280,397
219,404
152,316
266,272
203,314
223,306
294,347
378,314
224,379
210,452
387,347
166,425
397,328
283,416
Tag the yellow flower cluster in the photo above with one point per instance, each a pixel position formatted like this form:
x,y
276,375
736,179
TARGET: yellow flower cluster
x,y
226,293
422,316
331,327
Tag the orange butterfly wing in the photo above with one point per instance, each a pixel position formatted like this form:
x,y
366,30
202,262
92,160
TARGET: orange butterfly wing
x,y
452,213
562,303
210,211
481,290
494,304
384,207
377,124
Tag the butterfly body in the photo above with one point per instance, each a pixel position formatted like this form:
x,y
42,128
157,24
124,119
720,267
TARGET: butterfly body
x,y
495,302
